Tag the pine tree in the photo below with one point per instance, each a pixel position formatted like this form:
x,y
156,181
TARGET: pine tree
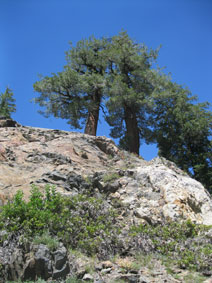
x,y
76,93
7,103
130,91
141,103
183,131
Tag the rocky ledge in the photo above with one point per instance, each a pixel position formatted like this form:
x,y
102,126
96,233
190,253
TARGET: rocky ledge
x,y
154,193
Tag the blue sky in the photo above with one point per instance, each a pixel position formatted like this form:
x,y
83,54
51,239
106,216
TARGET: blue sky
x,y
34,35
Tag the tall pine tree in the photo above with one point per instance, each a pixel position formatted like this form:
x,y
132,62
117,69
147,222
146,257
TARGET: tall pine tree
x,y
142,103
76,93
130,90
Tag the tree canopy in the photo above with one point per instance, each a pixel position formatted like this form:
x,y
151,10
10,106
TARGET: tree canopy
x,y
7,103
113,73
119,76
130,90
76,93
183,131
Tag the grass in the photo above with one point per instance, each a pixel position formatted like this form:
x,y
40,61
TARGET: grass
x,y
110,177
51,242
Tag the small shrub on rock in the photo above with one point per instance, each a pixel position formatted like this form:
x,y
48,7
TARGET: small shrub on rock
x,y
184,243
80,221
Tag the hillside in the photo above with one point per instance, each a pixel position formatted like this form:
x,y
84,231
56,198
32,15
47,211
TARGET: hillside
x,y
154,203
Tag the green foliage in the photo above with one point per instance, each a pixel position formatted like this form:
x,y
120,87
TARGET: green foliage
x,y
81,221
130,89
193,277
196,257
7,103
174,230
76,93
110,177
58,96
145,104
51,242
139,102
170,240
183,132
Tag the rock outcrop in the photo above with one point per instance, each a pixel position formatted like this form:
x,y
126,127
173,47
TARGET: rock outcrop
x,y
152,191
30,261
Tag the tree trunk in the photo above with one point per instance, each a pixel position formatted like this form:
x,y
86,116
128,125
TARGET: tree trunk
x,y
132,134
93,116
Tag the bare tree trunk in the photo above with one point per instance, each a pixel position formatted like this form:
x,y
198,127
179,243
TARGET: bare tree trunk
x,y
93,116
92,122
132,134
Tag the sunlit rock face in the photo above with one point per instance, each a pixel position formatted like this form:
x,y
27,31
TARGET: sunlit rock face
x,y
153,192
173,194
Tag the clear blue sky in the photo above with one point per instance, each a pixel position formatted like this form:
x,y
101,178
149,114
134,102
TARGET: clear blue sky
x,y
34,35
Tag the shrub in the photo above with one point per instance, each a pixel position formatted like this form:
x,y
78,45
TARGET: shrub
x,y
178,242
80,221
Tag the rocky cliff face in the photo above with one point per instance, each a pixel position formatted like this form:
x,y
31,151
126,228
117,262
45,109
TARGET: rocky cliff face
x,y
152,191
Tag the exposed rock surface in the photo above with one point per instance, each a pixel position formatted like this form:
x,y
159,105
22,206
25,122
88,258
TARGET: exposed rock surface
x,y
30,262
8,122
152,191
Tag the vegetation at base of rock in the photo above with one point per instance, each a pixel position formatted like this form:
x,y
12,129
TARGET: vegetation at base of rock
x,y
109,177
80,221
89,228
51,242
174,230
178,241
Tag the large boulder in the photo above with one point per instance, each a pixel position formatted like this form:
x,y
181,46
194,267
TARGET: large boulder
x,y
158,191
32,263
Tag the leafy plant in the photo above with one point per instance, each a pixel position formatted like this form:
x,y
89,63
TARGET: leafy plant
x,y
174,230
80,221
173,239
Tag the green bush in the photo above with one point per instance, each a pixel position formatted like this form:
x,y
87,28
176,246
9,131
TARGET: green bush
x,y
177,241
80,221
173,230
